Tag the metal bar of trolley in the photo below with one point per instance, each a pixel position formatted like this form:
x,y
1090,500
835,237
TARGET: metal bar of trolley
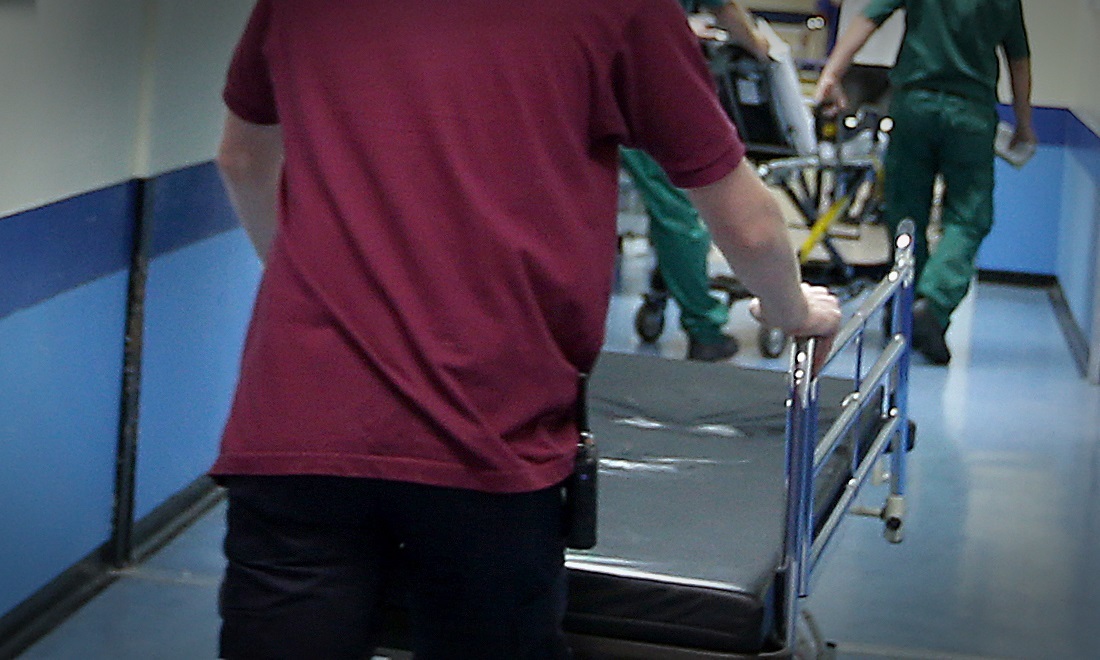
x,y
858,400
852,489
803,454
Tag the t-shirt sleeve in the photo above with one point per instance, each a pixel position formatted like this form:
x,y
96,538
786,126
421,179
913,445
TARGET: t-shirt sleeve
x,y
668,100
877,11
248,92
1015,42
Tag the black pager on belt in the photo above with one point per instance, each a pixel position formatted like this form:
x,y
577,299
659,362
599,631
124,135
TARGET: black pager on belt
x,y
580,488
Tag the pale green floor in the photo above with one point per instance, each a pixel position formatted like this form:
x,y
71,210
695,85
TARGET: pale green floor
x,y
1002,551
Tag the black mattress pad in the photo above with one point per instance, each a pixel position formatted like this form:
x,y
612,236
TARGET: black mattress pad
x,y
691,503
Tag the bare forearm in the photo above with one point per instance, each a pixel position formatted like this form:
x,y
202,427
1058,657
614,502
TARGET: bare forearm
x,y
250,161
253,199
1019,72
748,227
733,18
828,87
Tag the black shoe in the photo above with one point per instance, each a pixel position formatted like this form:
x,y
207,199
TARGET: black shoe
x,y
928,334
723,349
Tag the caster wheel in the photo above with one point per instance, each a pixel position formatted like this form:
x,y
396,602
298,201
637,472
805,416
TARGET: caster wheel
x,y
649,322
772,342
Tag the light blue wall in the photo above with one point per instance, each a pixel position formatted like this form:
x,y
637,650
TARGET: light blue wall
x,y
1028,202
1028,206
201,281
62,328
59,424
94,95
1080,229
61,333
1047,213
198,305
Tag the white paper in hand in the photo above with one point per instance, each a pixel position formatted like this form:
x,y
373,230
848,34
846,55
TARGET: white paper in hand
x,y
1018,155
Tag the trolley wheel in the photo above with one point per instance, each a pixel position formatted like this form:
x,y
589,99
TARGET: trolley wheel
x,y
773,342
649,322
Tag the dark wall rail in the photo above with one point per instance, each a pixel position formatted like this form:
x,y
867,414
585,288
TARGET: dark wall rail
x,y
119,339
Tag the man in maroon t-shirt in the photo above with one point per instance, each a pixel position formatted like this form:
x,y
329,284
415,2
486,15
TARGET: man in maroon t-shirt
x,y
433,190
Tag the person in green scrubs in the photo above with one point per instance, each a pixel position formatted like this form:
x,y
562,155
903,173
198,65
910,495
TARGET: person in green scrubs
x,y
945,120
680,240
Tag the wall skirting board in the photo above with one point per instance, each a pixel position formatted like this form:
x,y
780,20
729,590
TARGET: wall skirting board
x,y
53,603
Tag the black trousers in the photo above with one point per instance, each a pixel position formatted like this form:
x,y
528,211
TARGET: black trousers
x,y
309,559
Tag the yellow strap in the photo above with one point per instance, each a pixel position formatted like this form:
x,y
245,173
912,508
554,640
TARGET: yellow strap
x,y
817,231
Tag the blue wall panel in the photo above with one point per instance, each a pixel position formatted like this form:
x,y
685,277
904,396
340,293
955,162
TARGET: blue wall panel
x,y
65,270
189,205
1027,208
202,280
60,246
198,302
1081,223
1028,203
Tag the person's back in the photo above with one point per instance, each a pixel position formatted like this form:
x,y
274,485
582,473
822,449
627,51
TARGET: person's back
x,y
432,187
447,225
951,45
945,119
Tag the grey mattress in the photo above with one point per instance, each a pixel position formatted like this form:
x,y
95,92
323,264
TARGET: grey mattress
x,y
691,497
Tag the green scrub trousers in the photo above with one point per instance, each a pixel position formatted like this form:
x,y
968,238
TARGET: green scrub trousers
x,y
682,244
939,133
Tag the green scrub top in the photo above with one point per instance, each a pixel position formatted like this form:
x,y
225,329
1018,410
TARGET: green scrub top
x,y
950,45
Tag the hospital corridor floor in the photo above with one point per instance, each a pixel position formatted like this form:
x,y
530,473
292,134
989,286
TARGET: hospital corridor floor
x,y
1001,555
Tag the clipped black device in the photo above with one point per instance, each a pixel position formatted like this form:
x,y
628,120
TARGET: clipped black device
x,y
581,487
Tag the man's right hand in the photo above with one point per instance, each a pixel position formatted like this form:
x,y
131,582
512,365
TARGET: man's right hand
x,y
822,313
822,320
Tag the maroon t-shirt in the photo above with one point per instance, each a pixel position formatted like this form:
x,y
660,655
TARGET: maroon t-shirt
x,y
442,267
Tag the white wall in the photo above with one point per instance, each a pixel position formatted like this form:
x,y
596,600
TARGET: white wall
x,y
94,92
194,41
1086,104
1058,42
68,97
